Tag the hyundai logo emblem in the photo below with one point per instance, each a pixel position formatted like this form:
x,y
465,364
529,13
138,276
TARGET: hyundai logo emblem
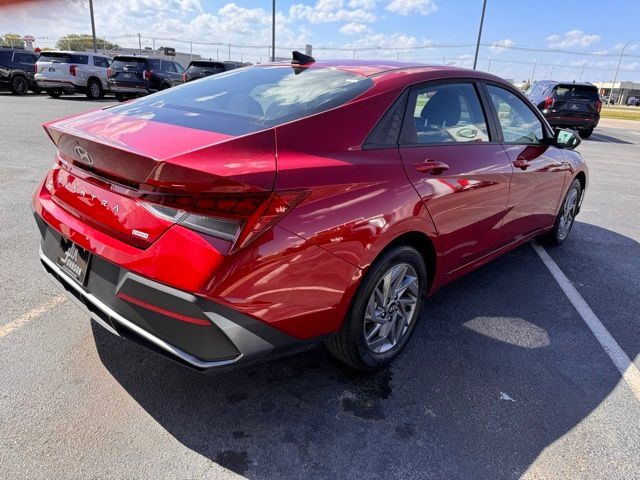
x,y
84,156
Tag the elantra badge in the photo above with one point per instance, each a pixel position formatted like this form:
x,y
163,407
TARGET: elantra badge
x,y
84,156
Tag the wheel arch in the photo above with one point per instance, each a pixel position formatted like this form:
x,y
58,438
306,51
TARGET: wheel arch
x,y
94,77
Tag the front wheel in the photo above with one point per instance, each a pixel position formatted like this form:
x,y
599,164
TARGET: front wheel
x,y
384,311
585,132
19,85
94,90
566,216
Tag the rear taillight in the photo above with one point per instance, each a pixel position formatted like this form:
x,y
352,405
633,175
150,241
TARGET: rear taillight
x,y
147,74
598,106
238,217
184,77
548,102
108,72
35,68
72,70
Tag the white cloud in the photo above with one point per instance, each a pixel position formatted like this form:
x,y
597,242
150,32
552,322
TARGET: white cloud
x,y
327,11
572,38
406,7
501,45
632,46
354,29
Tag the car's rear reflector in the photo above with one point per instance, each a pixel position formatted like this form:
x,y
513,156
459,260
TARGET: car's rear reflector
x,y
162,311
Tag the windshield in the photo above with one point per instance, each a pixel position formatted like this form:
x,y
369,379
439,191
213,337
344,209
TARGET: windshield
x,y
254,98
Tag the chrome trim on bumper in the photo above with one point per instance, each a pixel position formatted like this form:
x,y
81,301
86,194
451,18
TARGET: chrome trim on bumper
x,y
112,314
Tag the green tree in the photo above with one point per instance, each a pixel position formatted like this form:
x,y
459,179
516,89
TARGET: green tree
x,y
11,40
81,42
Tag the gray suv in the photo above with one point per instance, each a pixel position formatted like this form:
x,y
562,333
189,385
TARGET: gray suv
x,y
73,72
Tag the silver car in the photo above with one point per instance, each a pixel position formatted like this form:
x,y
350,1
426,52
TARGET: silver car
x,y
73,72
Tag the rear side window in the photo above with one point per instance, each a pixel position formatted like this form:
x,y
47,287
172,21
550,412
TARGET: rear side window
x,y
5,56
387,131
576,92
250,99
518,122
24,58
179,67
447,113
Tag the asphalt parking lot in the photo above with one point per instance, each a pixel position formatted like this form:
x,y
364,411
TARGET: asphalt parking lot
x,y
502,379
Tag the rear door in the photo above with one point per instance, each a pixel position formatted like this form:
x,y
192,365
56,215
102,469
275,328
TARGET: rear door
x,y
54,65
100,65
539,168
128,69
452,155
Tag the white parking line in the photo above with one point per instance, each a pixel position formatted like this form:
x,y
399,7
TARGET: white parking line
x,y
629,371
31,315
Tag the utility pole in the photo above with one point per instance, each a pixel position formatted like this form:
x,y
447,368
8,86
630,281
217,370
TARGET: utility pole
x,y
475,59
551,74
533,72
139,43
489,66
229,51
582,71
273,30
191,49
615,77
93,27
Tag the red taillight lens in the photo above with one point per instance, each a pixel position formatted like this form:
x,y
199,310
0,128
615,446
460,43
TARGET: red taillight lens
x,y
72,70
35,68
108,72
147,74
239,217
598,106
548,102
184,77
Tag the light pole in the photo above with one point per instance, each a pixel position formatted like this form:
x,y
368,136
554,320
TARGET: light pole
x,y
273,31
475,59
533,72
93,27
615,77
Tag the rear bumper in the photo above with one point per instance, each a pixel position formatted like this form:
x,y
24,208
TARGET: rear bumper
x,y
50,83
125,88
228,340
572,121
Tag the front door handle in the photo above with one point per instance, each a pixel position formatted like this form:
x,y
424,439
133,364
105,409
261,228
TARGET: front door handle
x,y
431,166
521,163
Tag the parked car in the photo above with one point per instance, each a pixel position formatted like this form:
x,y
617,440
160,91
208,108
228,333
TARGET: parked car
x,y
568,104
16,70
263,210
635,101
132,76
61,72
203,68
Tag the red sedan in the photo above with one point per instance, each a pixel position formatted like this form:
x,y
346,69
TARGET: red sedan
x,y
266,209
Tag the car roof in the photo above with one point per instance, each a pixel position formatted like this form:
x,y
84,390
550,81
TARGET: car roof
x,y
570,82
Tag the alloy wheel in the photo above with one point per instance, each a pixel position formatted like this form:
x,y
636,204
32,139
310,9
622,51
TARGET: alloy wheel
x,y
95,90
20,85
568,213
391,308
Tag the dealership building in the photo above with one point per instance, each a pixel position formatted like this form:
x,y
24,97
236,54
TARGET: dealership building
x,y
621,90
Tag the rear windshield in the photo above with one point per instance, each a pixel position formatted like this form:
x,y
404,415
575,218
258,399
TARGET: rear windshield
x,y
129,63
584,92
62,57
250,99
207,65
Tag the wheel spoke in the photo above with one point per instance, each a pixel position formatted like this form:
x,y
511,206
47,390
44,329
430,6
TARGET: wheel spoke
x,y
374,331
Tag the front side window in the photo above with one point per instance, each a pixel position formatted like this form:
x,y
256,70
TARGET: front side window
x,y
518,122
169,67
447,113
179,67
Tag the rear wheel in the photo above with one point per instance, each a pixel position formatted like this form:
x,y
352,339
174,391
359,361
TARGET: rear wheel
x,y
585,132
19,85
164,86
384,311
566,216
54,92
94,90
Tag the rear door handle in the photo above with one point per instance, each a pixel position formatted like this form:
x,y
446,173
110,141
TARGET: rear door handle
x,y
431,166
522,163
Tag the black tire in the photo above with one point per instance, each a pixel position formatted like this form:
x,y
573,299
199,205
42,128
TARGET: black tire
x,y
585,132
122,97
54,92
94,90
560,232
164,86
19,85
349,344
37,91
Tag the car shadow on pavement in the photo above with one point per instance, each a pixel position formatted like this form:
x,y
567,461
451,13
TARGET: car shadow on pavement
x,y
598,137
499,368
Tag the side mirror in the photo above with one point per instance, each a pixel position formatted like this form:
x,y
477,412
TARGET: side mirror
x,y
565,138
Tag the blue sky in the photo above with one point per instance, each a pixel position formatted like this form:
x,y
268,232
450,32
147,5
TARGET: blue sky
x,y
568,25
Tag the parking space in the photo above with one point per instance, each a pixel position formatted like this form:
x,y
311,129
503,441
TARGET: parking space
x,y
502,379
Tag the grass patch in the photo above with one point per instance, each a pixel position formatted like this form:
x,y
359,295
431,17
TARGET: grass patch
x,y
631,113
